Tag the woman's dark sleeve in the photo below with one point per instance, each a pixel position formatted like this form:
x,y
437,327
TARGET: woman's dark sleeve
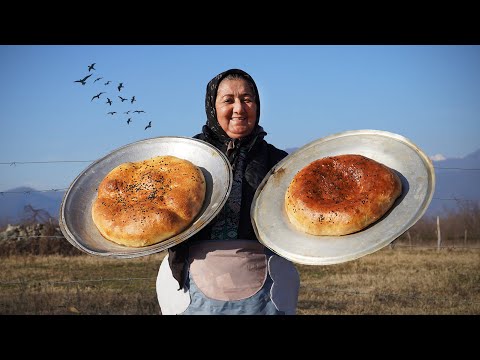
x,y
177,258
178,254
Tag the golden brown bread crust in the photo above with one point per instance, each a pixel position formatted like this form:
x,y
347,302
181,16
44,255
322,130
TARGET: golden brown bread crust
x,y
339,195
142,203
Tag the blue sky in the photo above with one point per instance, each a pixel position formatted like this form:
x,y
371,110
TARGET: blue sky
x,y
429,94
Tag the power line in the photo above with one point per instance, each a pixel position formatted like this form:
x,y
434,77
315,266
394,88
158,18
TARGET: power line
x,y
26,192
38,236
436,248
383,296
395,244
454,168
13,163
453,199
310,287
30,191
48,282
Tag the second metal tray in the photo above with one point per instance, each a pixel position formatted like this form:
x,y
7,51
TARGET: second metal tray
x,y
275,231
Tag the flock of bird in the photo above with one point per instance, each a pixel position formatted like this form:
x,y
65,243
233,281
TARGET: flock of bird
x,y
109,101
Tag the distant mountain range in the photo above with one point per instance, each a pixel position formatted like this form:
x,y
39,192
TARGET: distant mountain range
x,y
455,179
13,202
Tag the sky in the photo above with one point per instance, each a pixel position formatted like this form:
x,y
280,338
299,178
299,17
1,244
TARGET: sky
x,y
428,94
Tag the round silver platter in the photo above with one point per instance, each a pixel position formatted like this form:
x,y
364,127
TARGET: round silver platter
x,y
75,212
273,227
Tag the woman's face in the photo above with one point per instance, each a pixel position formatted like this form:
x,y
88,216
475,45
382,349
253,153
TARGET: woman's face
x,y
236,108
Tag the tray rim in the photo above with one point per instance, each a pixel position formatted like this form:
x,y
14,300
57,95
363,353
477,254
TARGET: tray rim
x,y
154,248
305,260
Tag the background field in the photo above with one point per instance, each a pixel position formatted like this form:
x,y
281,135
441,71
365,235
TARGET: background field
x,y
402,280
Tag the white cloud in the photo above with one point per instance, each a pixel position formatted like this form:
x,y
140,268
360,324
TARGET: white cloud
x,y
438,157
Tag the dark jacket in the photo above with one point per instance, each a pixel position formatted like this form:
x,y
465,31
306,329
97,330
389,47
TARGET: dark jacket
x,y
261,158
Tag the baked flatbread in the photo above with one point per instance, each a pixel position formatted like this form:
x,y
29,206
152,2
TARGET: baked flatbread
x,y
339,195
142,203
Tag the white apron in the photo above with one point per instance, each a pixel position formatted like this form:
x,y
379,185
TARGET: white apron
x,y
230,277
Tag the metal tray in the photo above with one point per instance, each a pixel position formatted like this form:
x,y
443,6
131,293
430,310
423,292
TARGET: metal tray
x,y
75,212
273,227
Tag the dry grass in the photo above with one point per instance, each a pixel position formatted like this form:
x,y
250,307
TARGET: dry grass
x,y
55,285
399,281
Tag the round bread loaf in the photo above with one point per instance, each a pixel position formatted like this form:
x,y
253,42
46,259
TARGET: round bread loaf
x,y
142,203
340,195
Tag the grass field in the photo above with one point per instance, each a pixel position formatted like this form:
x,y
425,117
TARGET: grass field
x,y
390,281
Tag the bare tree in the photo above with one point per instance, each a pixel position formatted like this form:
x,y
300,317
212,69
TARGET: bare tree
x,y
32,215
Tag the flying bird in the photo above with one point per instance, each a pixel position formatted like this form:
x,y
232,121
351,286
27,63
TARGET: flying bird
x,y
91,67
123,99
108,82
100,78
129,120
138,111
149,125
109,102
133,99
120,86
98,95
111,112
127,112
84,80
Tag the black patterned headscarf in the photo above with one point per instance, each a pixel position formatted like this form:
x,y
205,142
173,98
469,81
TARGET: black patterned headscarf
x,y
211,96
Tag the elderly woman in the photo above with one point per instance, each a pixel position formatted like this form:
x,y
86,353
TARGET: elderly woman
x,y
224,269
